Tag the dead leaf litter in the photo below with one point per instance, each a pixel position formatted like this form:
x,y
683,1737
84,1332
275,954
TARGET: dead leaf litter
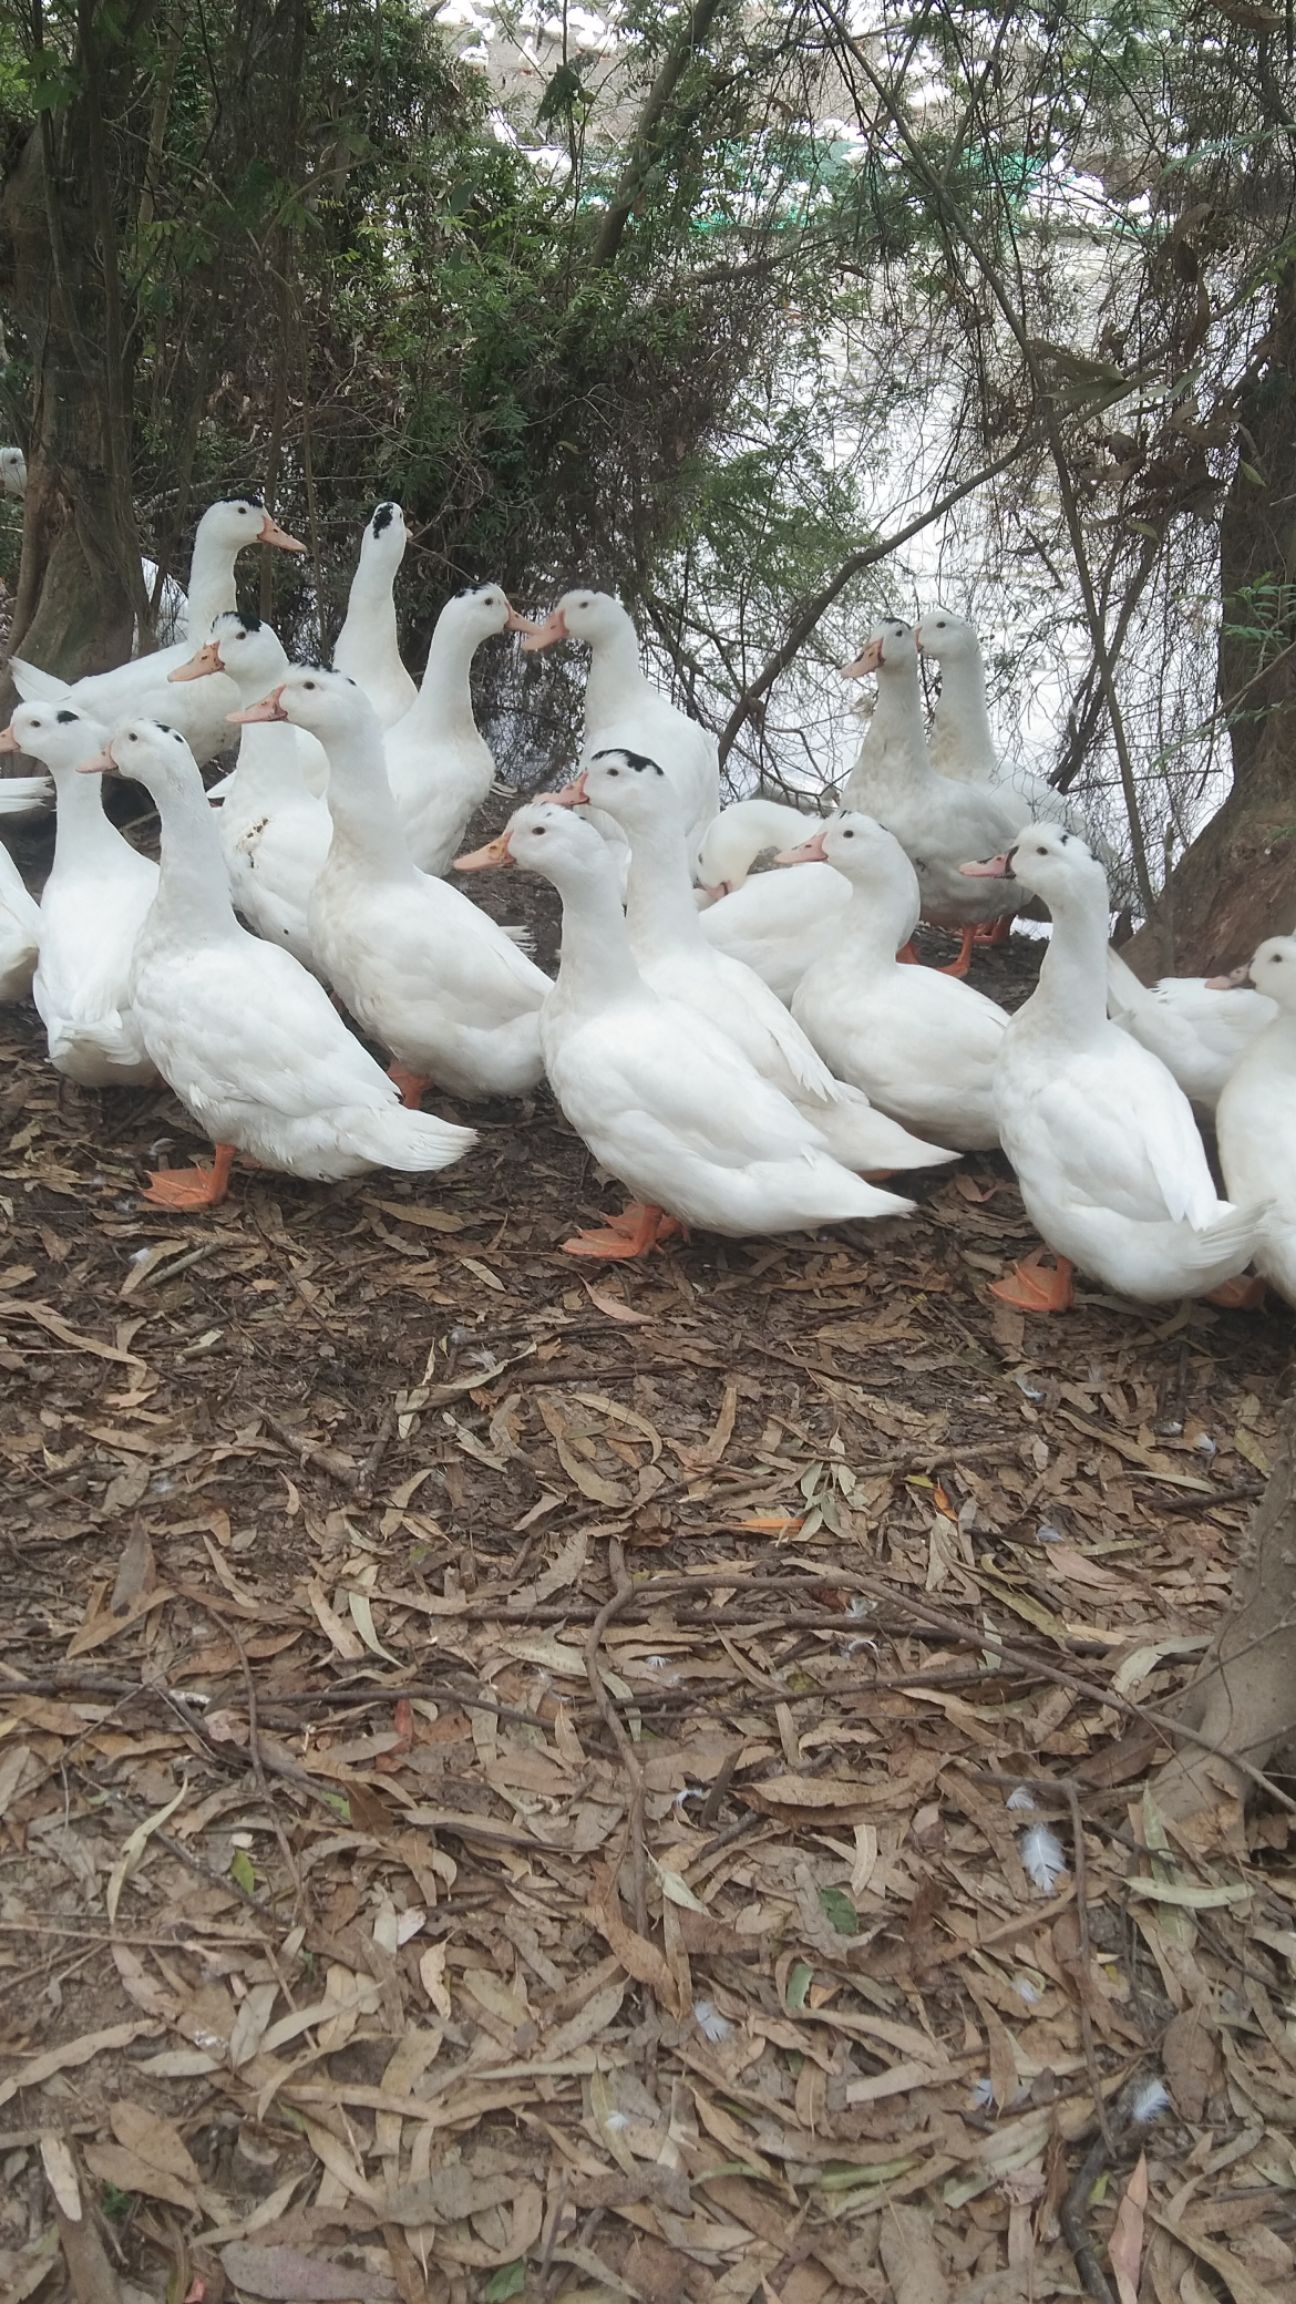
x,y
519,1786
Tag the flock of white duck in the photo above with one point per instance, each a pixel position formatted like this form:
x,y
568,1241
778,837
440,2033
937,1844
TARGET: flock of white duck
x,y
749,1053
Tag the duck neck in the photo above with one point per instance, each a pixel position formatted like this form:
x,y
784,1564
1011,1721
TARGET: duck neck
x,y
961,719
661,915
369,631
84,837
893,756
443,705
595,965
1071,996
267,765
366,828
615,677
876,923
193,903
212,591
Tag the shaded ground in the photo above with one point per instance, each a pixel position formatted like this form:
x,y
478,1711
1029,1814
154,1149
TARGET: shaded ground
x,y
503,1773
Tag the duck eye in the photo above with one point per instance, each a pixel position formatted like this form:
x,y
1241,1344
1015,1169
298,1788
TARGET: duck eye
x,y
309,684
614,771
848,835
540,831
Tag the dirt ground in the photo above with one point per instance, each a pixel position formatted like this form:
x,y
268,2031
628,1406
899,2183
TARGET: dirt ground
x,y
515,1776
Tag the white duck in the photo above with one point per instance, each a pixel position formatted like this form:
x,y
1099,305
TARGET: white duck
x,y
250,1043
274,831
739,834
623,707
367,645
93,908
439,765
778,922
675,960
13,472
1199,1031
937,821
420,968
922,1045
959,741
140,686
1256,1116
1107,1154
663,1099
19,928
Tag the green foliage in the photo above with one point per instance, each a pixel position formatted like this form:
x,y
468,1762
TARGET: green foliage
x,y
509,2280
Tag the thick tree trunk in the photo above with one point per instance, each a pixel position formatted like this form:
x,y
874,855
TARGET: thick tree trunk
x,y
1236,884
80,589
1244,1696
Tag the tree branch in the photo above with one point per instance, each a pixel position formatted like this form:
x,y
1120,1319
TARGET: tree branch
x,y
644,144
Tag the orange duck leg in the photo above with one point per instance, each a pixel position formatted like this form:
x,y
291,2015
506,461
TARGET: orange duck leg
x,y
635,1232
1034,1286
192,1187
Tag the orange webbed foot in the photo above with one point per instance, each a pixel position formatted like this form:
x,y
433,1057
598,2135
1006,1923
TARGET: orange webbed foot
x,y
192,1187
908,957
961,966
1034,1286
635,1232
1242,1295
412,1085
994,931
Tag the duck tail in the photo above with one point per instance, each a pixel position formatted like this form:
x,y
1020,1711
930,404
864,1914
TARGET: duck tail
x,y
417,1141
1126,994
35,686
23,792
1222,1248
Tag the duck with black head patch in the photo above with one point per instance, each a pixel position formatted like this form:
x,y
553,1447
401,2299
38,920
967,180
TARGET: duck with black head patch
x,y
368,645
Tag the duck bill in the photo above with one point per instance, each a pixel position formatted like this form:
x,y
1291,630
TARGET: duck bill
x,y
102,763
870,660
270,532
487,859
517,622
208,659
573,795
544,635
811,851
1237,980
994,868
8,741
269,708
918,638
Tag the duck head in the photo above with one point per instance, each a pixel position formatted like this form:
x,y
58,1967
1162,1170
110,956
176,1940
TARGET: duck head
x,y
947,639
58,735
1045,859
545,837
241,645
579,615
239,520
890,647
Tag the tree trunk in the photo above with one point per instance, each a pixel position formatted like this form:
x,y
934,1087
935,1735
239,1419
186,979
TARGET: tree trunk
x,y
1244,1695
1236,884
80,588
